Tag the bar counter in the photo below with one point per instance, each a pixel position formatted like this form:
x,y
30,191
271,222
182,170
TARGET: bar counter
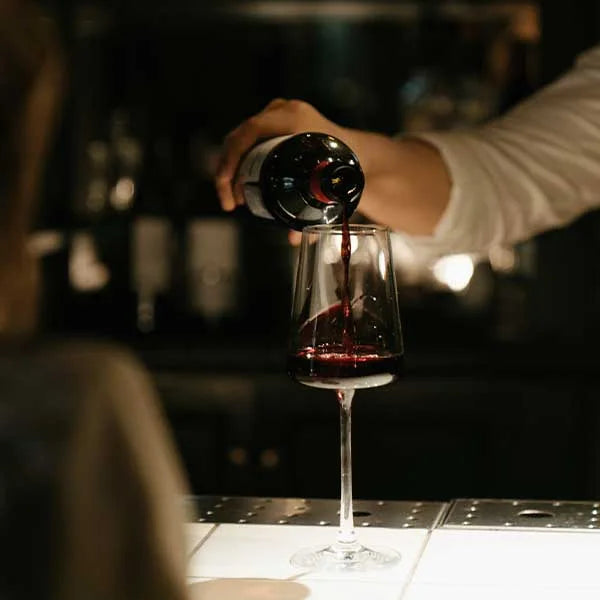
x,y
465,549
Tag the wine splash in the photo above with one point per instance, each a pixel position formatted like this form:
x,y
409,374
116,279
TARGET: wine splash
x,y
348,336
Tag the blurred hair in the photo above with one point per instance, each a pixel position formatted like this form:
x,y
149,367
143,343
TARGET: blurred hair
x,y
31,82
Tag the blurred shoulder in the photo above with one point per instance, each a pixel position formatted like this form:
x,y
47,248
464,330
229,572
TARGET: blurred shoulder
x,y
589,59
73,369
98,359
99,372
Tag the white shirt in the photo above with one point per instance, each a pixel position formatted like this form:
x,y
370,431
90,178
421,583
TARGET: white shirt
x,y
535,168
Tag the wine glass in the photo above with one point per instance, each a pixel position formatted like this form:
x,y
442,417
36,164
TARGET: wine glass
x,y
345,335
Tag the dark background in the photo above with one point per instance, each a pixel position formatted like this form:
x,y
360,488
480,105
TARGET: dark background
x,y
500,394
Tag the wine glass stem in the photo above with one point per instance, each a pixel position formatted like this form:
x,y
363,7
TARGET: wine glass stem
x,y
346,539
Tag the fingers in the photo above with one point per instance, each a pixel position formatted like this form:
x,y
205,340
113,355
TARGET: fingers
x,y
279,117
275,103
236,143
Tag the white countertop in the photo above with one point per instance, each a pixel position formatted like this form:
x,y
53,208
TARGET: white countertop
x,y
244,561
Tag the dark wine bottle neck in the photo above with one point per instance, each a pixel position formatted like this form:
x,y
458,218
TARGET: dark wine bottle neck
x,y
336,182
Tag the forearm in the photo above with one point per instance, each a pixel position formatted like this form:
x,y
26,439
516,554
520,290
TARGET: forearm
x,y
534,169
407,184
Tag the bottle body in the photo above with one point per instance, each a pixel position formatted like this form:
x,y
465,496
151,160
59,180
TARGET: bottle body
x,y
303,179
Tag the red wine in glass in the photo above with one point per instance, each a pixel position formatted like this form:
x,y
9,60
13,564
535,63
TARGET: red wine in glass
x,y
346,365
337,368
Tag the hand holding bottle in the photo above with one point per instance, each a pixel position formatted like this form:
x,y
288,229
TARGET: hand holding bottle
x,y
407,185
279,117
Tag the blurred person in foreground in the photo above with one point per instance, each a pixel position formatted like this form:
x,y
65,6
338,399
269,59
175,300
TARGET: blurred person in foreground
x,y
90,482
537,167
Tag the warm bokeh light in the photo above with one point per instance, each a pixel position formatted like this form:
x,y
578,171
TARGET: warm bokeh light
x,y
502,259
122,194
86,272
454,271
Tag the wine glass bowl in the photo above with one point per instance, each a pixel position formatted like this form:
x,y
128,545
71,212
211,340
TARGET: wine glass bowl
x,y
331,347
345,335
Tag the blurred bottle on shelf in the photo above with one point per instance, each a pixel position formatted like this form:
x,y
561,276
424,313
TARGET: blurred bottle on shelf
x,y
152,251
212,268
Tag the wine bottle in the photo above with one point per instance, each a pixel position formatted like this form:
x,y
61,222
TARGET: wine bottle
x,y
304,179
152,239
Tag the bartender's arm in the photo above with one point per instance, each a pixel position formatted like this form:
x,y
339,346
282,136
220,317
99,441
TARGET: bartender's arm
x,y
535,168
409,203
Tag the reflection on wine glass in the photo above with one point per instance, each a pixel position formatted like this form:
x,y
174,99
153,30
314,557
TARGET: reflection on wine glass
x,y
345,336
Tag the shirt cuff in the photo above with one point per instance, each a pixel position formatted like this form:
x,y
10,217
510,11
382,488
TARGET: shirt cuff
x,y
449,234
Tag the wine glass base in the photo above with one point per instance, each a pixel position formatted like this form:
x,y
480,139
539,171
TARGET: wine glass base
x,y
330,558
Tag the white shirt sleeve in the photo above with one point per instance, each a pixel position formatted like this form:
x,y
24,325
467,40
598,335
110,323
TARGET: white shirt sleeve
x,y
533,169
